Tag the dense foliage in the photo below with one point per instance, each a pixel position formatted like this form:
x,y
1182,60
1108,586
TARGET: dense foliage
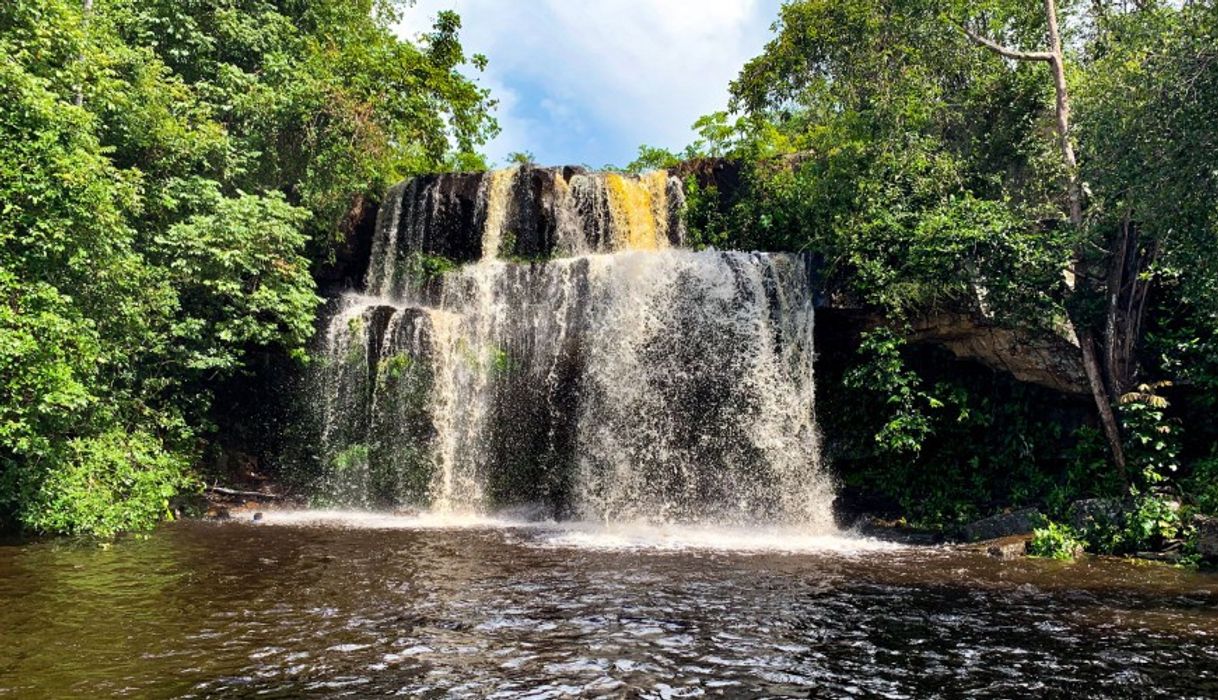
x,y
929,172
170,173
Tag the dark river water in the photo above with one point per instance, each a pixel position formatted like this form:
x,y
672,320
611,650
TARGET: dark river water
x,y
289,608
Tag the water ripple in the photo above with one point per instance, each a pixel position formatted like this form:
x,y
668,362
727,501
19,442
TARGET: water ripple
x,y
327,605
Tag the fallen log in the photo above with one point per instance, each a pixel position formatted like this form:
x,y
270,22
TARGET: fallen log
x,y
246,494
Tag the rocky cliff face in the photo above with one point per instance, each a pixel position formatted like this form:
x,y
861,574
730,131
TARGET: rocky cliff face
x,y
1045,359
542,336
543,212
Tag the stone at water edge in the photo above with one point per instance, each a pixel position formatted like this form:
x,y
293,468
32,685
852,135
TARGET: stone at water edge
x,y
1019,522
893,530
1168,557
1109,512
1207,537
1011,547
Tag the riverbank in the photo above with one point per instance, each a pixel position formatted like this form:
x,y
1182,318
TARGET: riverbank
x,y
1006,536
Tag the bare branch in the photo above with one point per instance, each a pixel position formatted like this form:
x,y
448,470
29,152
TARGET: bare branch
x,y
236,492
1004,50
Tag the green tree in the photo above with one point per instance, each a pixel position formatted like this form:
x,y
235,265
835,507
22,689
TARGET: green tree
x,y
1148,80
170,173
1031,165
521,158
652,158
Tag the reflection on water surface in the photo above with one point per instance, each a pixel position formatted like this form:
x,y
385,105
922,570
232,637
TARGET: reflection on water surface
x,y
319,607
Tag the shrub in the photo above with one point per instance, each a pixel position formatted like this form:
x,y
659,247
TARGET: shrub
x,y
1054,541
1202,486
108,484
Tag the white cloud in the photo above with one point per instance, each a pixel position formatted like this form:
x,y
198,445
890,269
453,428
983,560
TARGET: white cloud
x,y
588,80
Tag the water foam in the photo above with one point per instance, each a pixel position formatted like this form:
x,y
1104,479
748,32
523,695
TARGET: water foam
x,y
590,536
373,520
678,537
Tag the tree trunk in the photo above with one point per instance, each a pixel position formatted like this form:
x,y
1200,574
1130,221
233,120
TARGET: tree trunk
x,y
1102,393
1074,188
79,98
1128,287
1102,388
1116,324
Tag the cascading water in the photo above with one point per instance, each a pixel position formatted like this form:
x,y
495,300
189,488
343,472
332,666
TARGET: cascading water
x,y
539,336
697,394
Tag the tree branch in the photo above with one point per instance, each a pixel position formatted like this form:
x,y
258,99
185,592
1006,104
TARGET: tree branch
x,y
1004,50
236,492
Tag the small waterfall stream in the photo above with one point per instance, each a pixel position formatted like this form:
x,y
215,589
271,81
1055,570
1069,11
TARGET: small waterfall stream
x,y
540,336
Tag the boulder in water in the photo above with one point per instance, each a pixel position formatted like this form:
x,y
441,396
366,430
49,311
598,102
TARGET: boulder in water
x,y
1019,522
1090,513
1008,547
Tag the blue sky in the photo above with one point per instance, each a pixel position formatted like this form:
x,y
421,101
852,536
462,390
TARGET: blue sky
x,y
587,81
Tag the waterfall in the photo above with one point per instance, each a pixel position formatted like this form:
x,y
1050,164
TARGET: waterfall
x,y
638,208
698,396
495,201
541,336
